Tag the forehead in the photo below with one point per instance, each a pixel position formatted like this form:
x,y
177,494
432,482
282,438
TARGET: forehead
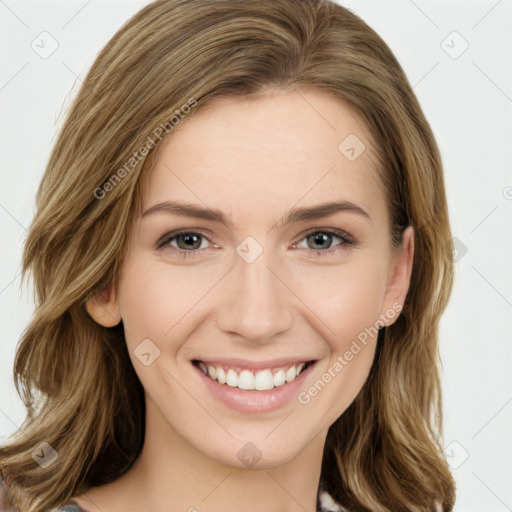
x,y
250,157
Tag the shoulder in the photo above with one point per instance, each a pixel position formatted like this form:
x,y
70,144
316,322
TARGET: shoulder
x,y
71,506
327,504
7,502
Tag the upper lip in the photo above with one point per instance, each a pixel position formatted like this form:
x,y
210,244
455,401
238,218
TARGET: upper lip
x,y
255,365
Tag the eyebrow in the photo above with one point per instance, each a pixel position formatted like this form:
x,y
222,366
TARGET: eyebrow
x,y
318,211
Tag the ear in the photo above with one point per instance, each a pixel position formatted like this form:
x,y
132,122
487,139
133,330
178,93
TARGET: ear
x,y
103,308
399,278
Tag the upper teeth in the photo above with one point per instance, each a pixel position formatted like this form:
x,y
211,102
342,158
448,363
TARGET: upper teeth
x,y
261,380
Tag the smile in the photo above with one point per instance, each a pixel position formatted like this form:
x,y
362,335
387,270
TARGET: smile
x,y
263,379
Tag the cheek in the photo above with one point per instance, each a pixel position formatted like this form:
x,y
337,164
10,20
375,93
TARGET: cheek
x,y
144,303
345,298
162,302
346,301
157,299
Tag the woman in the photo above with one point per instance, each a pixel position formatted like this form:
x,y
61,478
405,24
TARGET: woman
x,y
195,345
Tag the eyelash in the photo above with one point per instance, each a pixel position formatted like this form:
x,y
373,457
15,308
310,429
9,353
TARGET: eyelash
x,y
163,243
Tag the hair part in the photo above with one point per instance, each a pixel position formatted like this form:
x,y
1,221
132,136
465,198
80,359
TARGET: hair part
x,y
75,377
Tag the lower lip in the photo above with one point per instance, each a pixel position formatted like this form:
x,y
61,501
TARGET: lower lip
x,y
256,402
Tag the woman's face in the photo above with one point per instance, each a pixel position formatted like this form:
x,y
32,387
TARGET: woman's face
x,y
261,279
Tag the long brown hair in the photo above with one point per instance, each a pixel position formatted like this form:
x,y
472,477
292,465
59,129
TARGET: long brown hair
x,y
75,377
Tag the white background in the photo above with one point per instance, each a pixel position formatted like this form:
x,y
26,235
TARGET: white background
x,y
468,101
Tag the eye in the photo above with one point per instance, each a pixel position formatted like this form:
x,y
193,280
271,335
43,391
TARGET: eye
x,y
184,243
188,244
319,242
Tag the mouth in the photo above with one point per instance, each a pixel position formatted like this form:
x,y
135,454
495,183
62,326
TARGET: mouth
x,y
252,379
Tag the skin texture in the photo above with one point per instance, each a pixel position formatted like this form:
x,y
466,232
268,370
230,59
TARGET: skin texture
x,y
254,160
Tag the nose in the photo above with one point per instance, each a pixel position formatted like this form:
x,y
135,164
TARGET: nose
x,y
257,304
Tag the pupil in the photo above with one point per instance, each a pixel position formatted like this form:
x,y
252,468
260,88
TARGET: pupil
x,y
188,237
321,238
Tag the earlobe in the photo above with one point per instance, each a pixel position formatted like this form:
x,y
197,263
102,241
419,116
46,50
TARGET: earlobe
x,y
400,278
103,308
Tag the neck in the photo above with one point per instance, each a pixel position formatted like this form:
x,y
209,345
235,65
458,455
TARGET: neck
x,y
170,472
